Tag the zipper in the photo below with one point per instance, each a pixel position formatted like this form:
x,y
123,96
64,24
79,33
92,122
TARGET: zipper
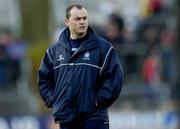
x,y
75,53
78,49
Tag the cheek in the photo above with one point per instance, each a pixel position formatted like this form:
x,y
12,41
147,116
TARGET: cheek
x,y
74,24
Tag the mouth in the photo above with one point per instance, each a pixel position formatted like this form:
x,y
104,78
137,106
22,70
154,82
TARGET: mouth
x,y
82,27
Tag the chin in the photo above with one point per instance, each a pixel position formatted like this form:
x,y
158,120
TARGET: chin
x,y
82,32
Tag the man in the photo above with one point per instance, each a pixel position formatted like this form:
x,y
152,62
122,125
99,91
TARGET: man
x,y
80,76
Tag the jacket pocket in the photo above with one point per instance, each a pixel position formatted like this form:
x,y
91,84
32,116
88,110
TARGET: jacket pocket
x,y
86,100
66,116
62,110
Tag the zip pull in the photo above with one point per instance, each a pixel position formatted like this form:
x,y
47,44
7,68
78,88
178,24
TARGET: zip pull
x,y
75,52
71,63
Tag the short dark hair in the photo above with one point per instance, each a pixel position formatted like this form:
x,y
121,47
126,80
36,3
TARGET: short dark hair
x,y
68,9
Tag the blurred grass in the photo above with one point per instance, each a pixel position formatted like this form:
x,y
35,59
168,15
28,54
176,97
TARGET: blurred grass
x,y
35,54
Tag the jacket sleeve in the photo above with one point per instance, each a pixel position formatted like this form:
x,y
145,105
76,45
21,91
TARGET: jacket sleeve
x,y
46,79
111,77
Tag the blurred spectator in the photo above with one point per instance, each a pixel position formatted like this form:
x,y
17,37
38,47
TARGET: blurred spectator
x,y
151,7
115,29
12,52
16,52
151,76
3,66
155,6
4,58
169,68
150,69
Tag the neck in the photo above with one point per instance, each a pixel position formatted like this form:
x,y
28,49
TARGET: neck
x,y
76,36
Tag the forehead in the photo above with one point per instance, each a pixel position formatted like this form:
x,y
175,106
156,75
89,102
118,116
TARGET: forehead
x,y
75,12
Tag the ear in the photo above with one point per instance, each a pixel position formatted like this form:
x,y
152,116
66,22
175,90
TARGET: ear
x,y
66,21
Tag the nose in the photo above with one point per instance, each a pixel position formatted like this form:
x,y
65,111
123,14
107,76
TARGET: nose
x,y
82,21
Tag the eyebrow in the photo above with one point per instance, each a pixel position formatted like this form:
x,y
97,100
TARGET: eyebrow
x,y
80,17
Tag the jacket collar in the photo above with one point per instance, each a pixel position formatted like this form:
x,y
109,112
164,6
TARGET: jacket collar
x,y
89,43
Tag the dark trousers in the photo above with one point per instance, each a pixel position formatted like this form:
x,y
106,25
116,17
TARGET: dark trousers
x,y
86,124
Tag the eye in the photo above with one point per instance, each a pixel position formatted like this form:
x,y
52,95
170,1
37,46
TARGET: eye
x,y
84,18
77,18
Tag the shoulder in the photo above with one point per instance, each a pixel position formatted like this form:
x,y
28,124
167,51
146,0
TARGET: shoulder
x,y
52,50
104,44
54,46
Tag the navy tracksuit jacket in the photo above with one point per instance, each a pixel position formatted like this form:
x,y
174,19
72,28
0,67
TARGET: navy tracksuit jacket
x,y
84,83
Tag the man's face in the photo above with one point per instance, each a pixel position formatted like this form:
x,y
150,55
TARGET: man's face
x,y
77,22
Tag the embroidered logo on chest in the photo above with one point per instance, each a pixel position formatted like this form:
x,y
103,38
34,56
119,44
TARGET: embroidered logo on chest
x,y
60,57
86,56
